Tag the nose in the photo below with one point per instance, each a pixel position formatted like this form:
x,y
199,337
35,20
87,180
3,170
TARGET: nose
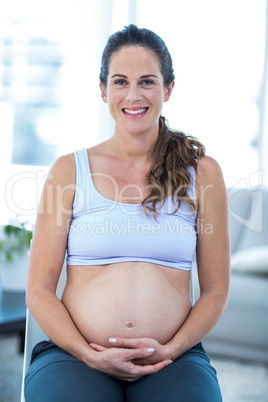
x,y
133,93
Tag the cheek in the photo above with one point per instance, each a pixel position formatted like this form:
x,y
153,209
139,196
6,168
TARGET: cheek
x,y
158,100
114,104
114,97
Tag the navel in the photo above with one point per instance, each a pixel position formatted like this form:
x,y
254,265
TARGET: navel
x,y
130,324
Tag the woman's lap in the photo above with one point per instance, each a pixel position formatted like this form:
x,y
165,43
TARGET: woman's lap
x,y
56,376
190,378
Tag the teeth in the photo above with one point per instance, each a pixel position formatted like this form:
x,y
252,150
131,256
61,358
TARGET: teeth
x,y
135,111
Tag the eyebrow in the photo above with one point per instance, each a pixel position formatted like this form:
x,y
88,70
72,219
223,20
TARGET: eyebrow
x,y
143,76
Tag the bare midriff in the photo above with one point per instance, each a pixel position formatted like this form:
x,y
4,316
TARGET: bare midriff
x,y
127,299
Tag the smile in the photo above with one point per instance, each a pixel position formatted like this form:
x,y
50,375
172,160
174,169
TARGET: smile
x,y
138,111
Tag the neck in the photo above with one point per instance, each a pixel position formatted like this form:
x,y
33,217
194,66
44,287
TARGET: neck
x,y
134,148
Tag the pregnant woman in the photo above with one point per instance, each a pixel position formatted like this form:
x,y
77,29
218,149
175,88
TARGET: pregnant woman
x,y
131,212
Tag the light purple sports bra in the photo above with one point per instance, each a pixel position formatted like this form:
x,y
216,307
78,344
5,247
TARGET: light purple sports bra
x,y
103,231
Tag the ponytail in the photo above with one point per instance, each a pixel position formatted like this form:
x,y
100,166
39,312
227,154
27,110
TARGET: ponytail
x,y
173,153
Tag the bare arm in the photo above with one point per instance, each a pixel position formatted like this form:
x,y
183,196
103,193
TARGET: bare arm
x,y
213,258
47,256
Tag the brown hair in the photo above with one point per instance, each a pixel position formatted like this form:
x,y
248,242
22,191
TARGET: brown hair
x,y
174,151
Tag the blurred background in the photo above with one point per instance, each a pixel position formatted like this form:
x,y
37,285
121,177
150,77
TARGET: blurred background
x,y
50,104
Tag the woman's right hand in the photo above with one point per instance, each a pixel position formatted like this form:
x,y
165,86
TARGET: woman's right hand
x,y
118,362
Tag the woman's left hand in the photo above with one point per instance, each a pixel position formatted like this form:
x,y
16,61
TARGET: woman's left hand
x,y
160,351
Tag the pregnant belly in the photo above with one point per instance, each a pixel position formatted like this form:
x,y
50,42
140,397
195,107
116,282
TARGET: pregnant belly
x,y
128,301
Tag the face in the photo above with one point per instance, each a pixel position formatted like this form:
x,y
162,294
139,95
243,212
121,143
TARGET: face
x,y
135,90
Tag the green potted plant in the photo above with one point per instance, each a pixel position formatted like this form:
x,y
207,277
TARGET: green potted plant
x,y
14,254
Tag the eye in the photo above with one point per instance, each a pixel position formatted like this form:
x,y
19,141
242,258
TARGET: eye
x,y
120,82
147,83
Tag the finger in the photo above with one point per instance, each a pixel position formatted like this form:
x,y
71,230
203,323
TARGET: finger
x,y
127,343
151,368
139,353
98,348
120,342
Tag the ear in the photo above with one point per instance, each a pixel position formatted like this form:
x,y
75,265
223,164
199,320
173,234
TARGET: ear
x,y
168,91
103,92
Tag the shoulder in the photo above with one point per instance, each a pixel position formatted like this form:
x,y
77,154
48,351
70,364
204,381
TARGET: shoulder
x,y
207,166
63,170
209,179
208,171
65,161
61,179
59,188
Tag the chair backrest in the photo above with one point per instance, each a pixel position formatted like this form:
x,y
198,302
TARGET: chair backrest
x,y
34,334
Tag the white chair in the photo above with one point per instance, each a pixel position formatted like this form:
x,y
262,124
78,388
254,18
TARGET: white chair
x,y
34,334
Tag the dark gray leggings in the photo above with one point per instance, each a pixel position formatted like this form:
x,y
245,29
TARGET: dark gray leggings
x,y
55,376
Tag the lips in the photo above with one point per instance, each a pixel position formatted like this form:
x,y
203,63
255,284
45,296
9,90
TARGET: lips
x,y
135,111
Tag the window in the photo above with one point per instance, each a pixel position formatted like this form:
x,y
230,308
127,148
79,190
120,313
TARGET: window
x,y
50,102
49,87
218,50
49,65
